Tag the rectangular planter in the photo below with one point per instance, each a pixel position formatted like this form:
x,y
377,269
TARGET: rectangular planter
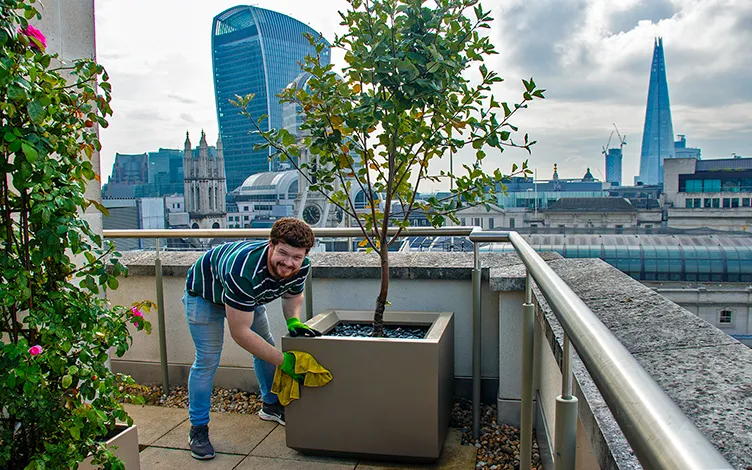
x,y
126,442
388,399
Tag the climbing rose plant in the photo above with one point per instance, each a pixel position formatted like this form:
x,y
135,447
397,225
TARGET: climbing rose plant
x,y
58,398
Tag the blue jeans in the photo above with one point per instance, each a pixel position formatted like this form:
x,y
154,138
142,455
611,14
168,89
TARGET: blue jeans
x,y
206,322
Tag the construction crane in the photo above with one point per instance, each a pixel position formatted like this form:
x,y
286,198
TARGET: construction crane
x,y
622,140
605,147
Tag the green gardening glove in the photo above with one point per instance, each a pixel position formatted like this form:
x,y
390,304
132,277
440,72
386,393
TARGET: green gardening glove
x,y
298,328
288,367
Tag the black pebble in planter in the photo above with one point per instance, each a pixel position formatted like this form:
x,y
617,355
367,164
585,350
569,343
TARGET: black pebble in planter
x,y
388,399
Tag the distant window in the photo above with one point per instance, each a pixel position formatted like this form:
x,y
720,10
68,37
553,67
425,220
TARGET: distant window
x,y
716,203
726,202
648,226
745,202
698,203
725,317
462,221
708,203
562,226
688,203
694,186
735,202
491,223
478,222
512,222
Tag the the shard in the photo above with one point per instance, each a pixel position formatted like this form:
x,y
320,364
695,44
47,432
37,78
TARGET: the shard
x,y
658,135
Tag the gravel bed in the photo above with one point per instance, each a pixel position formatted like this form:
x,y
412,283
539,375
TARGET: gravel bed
x,y
390,331
498,446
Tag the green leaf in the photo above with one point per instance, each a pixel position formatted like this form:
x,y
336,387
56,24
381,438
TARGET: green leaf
x,y
67,381
16,92
36,111
30,152
75,432
10,137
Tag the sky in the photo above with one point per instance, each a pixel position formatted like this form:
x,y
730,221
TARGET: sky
x,y
592,56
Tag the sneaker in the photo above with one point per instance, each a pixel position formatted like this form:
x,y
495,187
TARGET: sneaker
x,y
272,412
201,447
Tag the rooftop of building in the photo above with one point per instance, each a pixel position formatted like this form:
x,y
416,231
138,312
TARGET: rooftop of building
x,y
591,204
724,164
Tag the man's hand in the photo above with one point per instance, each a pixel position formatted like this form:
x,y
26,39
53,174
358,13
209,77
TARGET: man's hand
x,y
288,367
298,328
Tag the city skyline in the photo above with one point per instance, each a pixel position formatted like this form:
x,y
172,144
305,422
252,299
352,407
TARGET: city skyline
x,y
593,57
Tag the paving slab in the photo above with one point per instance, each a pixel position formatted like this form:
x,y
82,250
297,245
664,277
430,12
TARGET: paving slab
x,y
230,433
154,421
265,463
158,458
274,446
454,456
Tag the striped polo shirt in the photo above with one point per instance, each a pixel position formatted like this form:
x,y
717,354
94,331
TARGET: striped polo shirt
x,y
236,274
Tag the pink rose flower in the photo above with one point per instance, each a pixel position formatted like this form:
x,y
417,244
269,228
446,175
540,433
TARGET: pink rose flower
x,y
35,350
136,313
33,32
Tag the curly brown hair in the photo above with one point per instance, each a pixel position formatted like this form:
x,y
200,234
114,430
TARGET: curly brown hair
x,y
292,231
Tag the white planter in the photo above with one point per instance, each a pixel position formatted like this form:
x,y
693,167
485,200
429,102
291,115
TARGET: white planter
x,y
126,442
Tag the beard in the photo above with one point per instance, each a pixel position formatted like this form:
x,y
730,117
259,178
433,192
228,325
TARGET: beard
x,y
280,271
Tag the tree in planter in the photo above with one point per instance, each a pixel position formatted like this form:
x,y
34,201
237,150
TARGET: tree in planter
x,y
58,399
405,100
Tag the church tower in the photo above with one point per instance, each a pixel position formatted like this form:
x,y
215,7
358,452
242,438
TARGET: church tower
x,y
204,184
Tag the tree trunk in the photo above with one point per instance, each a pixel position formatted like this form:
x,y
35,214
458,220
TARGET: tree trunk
x,y
378,317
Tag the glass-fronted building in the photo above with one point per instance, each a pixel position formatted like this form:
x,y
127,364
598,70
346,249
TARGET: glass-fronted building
x,y
613,166
658,134
686,258
539,194
254,50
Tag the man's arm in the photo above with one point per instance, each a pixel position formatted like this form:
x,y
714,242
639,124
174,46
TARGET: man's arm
x,y
240,328
292,305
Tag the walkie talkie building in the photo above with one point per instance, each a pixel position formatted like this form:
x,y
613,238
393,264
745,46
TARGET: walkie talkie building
x,y
254,50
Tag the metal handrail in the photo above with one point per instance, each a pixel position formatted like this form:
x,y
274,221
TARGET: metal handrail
x,y
659,433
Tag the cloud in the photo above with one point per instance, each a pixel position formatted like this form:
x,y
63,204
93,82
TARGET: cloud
x,y
629,18
181,99
188,118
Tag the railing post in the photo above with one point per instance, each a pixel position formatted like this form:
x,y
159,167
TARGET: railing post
x,y
309,296
526,409
476,341
565,436
161,322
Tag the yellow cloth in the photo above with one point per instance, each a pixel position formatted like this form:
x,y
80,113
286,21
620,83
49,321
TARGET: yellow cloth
x,y
288,389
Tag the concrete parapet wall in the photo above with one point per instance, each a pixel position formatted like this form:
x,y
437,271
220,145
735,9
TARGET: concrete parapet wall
x,y
707,373
423,282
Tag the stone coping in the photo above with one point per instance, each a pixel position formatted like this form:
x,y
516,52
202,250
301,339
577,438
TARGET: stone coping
x,y
705,372
505,270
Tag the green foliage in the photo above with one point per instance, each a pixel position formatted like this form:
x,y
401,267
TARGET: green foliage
x,y
405,101
58,399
